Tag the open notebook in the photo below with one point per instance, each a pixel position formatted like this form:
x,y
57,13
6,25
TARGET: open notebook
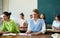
x,y
25,34
18,34
9,34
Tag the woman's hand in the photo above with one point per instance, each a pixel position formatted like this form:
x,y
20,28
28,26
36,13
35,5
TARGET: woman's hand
x,y
6,32
28,32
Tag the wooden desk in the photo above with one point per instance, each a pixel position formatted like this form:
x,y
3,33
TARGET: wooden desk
x,y
50,31
20,36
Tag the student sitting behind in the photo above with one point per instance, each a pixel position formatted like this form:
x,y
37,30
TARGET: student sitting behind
x,y
22,24
56,23
42,16
8,24
36,25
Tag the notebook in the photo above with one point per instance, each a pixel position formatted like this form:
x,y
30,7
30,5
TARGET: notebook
x,y
9,34
25,34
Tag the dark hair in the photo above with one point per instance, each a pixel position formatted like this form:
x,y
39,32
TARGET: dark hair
x,y
58,16
44,16
22,14
7,14
37,12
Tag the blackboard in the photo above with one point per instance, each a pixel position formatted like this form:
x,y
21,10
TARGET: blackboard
x,y
50,8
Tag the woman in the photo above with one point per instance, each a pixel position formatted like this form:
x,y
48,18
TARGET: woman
x,y
8,24
36,25
56,23
42,16
22,23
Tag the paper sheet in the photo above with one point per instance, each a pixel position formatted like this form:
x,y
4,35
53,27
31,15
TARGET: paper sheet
x,y
9,34
24,34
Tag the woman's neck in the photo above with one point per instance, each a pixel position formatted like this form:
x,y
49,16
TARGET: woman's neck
x,y
36,19
8,20
22,18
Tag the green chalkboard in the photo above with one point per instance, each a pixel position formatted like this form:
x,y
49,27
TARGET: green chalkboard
x,y
50,8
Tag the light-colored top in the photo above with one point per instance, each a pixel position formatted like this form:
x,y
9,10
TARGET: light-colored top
x,y
56,24
10,26
21,22
37,26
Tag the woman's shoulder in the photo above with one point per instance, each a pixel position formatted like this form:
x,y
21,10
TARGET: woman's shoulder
x,y
54,21
41,19
11,20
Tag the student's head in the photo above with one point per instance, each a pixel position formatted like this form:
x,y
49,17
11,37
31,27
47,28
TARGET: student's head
x,y
57,17
36,13
21,15
6,15
31,16
42,16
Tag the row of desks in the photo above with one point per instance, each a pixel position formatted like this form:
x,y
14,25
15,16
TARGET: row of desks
x,y
20,36
33,36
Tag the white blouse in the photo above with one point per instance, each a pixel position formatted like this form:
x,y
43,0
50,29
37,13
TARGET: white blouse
x,y
56,24
21,22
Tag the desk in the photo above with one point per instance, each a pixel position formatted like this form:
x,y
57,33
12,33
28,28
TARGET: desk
x,y
20,36
50,31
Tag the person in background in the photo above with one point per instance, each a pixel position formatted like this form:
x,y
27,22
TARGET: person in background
x,y
56,23
22,23
42,16
8,24
36,25
31,16
1,20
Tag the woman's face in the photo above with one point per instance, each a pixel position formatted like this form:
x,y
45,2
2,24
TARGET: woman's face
x,y
42,16
21,16
5,17
56,18
35,15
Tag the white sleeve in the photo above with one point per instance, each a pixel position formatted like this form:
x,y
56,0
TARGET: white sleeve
x,y
43,28
28,29
53,23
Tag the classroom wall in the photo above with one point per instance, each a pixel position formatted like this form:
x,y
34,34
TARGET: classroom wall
x,y
18,6
0,7
5,5
0,11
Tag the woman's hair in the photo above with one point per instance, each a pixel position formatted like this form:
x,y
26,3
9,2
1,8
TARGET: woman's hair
x,y
7,14
44,16
37,12
22,14
58,16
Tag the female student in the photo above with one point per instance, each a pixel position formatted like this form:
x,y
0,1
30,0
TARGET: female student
x,y
36,25
56,23
22,23
8,24
42,16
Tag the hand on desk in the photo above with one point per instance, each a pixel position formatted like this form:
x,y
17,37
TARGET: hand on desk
x,y
37,33
28,32
6,32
